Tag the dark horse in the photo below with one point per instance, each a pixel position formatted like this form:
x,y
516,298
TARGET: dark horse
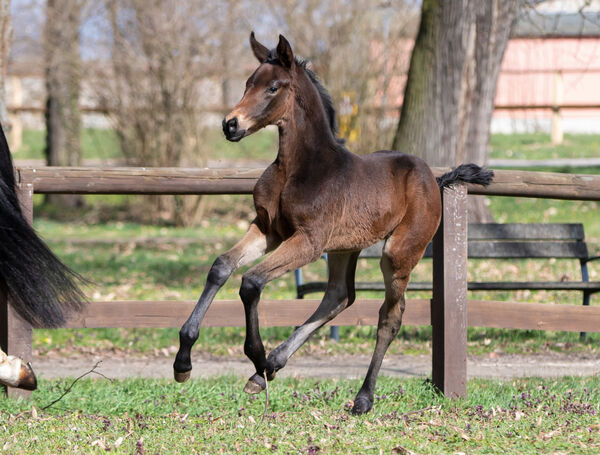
x,y
318,197
38,285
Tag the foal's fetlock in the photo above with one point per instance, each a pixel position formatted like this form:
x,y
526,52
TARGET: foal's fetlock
x,y
362,404
255,384
275,362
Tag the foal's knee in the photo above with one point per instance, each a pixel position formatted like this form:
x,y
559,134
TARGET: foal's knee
x,y
220,271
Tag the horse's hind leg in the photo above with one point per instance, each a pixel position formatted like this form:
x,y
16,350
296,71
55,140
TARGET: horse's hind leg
x,y
401,253
339,295
253,245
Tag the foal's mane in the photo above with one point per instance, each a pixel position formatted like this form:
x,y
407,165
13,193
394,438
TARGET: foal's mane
x,y
323,93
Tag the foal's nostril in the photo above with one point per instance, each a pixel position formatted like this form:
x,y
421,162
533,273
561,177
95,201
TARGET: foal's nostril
x,y
232,125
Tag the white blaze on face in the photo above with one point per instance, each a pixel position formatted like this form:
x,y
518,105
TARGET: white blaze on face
x,y
10,369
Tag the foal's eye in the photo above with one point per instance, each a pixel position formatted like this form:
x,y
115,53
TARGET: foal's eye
x,y
272,89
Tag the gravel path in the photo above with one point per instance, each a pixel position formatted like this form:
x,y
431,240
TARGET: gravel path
x,y
502,366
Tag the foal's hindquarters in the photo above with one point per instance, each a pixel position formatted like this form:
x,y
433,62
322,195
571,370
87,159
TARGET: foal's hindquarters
x,y
414,214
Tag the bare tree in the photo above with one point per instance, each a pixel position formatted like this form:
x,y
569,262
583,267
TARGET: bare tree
x,y
163,55
63,79
354,46
449,96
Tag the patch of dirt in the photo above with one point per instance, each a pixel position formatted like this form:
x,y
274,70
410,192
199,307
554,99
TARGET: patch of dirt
x,y
500,366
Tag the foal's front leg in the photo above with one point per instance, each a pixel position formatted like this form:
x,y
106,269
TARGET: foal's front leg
x,y
293,253
253,245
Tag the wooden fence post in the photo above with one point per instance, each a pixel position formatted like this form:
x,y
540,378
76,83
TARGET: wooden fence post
x,y
449,303
15,333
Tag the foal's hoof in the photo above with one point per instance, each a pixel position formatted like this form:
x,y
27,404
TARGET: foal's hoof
x,y
182,376
27,379
271,375
361,405
255,384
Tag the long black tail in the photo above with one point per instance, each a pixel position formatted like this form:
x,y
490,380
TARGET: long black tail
x,y
39,286
466,173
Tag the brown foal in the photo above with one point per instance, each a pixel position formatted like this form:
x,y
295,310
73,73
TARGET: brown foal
x,y
318,197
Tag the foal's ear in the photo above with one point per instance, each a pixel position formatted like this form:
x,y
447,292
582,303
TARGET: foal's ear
x,y
284,52
260,51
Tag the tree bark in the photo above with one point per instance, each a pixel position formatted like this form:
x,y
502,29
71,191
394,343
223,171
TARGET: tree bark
x,y
449,96
5,39
429,120
63,77
493,23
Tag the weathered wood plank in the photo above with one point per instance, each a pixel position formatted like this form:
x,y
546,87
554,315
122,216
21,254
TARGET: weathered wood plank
x,y
533,316
132,180
550,185
449,302
241,181
229,313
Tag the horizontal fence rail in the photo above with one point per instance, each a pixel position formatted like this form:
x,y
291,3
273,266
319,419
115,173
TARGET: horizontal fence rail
x,y
136,180
449,313
277,313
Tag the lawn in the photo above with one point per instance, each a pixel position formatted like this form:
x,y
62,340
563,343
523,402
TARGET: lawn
x,y
137,416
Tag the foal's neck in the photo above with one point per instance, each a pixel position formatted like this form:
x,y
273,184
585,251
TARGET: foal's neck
x,y
305,136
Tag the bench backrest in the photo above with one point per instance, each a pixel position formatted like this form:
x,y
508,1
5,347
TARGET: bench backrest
x,y
515,241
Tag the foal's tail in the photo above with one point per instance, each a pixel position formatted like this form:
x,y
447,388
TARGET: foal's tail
x,y
466,173
39,286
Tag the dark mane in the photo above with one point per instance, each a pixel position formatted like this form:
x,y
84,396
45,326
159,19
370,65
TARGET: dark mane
x,y
323,93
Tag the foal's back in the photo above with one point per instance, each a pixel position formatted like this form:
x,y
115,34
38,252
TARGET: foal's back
x,y
380,191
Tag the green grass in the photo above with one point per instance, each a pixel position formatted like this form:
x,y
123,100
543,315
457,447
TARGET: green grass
x,y
527,416
103,145
95,144
537,146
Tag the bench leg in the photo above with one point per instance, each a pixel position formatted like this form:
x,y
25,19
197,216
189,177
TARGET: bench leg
x,y
586,302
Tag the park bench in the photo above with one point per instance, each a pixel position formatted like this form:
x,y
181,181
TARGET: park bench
x,y
500,241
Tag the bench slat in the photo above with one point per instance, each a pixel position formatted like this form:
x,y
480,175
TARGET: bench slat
x,y
594,286
524,231
519,250
506,250
526,247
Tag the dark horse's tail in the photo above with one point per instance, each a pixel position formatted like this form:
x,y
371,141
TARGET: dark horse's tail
x,y
39,286
466,173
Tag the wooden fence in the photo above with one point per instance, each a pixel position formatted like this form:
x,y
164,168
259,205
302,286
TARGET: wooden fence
x,y
449,312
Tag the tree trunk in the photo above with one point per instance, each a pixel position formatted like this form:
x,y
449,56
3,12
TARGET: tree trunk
x,y
63,76
429,120
493,22
449,96
5,39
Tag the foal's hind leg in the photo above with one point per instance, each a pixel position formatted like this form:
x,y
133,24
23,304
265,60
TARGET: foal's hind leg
x,y
252,246
338,296
401,253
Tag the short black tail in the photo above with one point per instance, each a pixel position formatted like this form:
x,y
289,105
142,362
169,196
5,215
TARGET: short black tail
x,y
466,173
39,286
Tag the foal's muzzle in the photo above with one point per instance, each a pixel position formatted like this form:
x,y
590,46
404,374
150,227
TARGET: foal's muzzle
x,y
232,130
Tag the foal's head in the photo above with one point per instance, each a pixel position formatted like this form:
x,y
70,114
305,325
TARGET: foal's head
x,y
270,91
